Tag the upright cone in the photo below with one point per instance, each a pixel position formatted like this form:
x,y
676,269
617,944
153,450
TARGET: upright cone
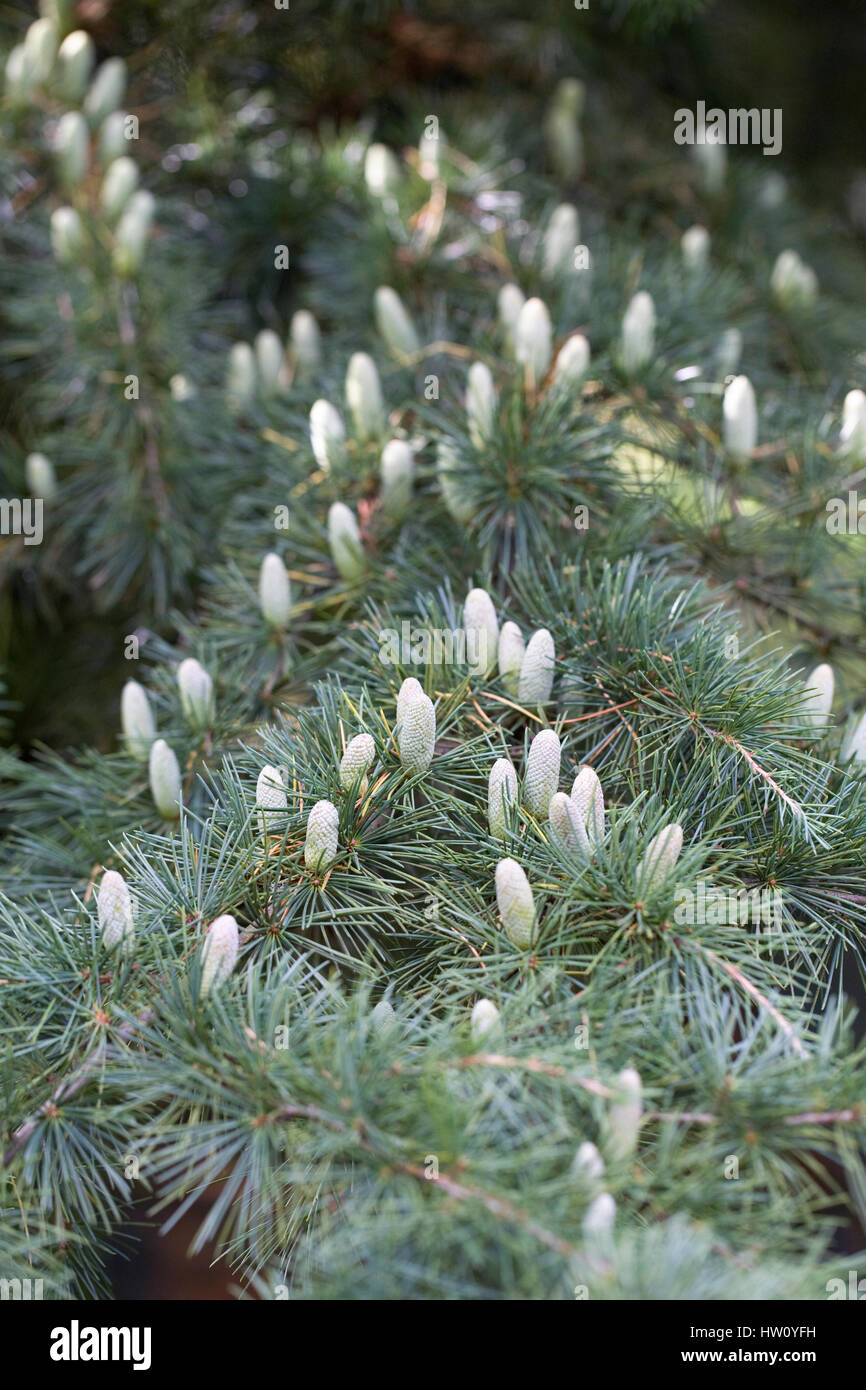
x,y
321,844
541,777
502,793
356,761
536,670
114,910
660,859
219,953
516,903
275,599
417,733
482,631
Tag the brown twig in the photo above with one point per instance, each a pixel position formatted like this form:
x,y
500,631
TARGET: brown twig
x,y
69,1087
826,1117
795,807
746,984
535,1064
499,1207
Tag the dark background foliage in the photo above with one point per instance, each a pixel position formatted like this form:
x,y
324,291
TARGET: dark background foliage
x,y
316,67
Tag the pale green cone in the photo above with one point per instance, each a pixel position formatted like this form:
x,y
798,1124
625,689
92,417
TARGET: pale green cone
x,y
68,239
58,11
41,479
565,141
417,733
502,792
739,418
106,91
533,340
852,438
321,843
561,236
624,1114
112,137
728,353
383,1018
567,830
40,50
275,594
588,1163
569,95
572,361
133,230
381,170
660,859
195,688
480,403
509,303
397,470
855,745
773,191
541,778
181,388
271,800
118,186
428,156
394,323
356,761
793,284
562,129
240,376
599,1218
536,670
452,485
72,146
409,690
114,910
482,631
137,721
712,162
515,902
510,656
164,780
18,79
219,953
269,362
364,397
588,797
638,333
305,342
75,59
695,249
345,542
485,1018
820,685
327,435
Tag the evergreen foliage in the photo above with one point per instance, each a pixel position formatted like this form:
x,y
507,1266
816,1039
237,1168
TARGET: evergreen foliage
x,y
277,935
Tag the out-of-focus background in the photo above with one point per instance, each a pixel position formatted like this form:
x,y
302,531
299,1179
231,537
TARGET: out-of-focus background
x,y
211,81
203,73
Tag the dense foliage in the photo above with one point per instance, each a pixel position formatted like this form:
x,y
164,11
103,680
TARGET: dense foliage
x,y
464,890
